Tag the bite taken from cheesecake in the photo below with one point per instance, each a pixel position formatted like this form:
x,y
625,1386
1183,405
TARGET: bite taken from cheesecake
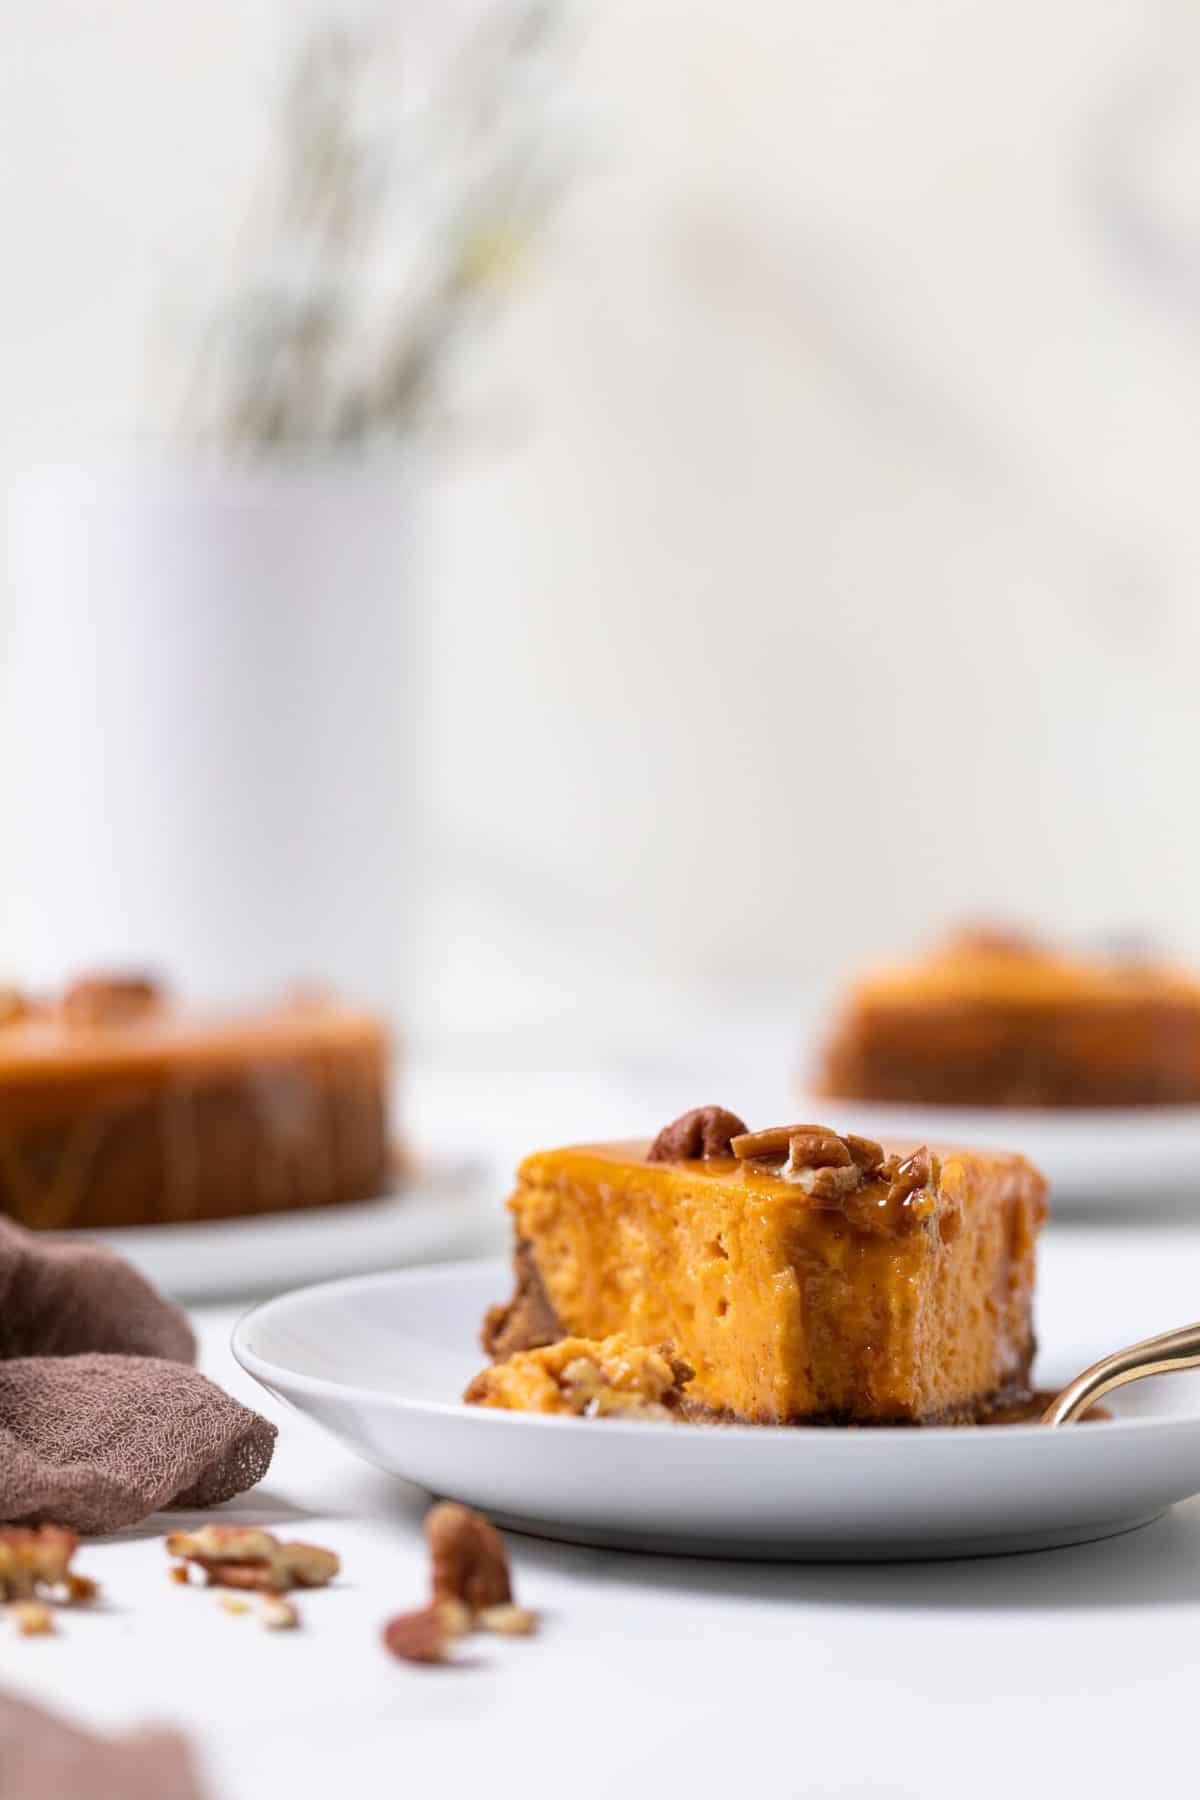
x,y
612,1378
794,1275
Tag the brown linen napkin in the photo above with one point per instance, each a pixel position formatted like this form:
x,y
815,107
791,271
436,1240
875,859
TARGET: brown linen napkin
x,y
42,1757
58,1299
101,1420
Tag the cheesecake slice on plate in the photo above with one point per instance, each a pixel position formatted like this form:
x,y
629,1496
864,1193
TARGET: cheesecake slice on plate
x,y
801,1275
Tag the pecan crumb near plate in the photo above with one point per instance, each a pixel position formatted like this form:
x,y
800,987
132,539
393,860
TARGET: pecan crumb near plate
x,y
509,1621
242,1556
277,1613
32,1618
703,1132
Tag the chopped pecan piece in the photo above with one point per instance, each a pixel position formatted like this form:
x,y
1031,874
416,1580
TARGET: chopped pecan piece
x,y
110,999
241,1556
755,1146
34,1559
467,1557
593,1378
425,1636
822,1162
278,1614
824,1184
588,1390
920,1170
818,1150
865,1152
703,1132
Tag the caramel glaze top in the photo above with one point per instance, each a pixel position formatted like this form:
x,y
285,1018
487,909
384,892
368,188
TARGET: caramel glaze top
x,y
43,1045
868,1210
961,974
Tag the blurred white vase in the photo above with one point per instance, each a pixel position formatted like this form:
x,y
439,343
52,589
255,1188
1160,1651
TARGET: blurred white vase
x,y
212,725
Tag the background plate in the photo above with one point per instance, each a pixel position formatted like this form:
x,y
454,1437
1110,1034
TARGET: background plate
x,y
442,1210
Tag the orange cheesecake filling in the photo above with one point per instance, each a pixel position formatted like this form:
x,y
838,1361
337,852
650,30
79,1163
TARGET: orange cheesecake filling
x,y
878,1294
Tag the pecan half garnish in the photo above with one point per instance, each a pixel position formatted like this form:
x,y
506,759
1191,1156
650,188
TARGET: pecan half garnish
x,y
703,1132
759,1146
96,1000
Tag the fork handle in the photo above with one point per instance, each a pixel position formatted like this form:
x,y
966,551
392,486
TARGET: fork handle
x,y
1153,1356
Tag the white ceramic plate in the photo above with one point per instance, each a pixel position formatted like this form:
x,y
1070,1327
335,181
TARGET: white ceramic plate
x,y
1098,1160
381,1360
439,1212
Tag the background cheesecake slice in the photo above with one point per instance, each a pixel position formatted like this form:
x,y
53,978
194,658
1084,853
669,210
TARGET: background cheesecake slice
x,y
993,1019
802,1275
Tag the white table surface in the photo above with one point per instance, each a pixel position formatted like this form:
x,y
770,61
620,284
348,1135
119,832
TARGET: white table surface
x,y
658,1676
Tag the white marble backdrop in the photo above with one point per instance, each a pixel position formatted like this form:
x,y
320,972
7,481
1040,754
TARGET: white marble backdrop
x,y
822,555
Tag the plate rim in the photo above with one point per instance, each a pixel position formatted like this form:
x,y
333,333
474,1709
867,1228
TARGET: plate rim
x,y
260,1367
437,1174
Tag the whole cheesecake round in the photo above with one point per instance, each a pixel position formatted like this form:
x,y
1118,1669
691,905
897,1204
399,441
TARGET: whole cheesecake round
x,y
119,1106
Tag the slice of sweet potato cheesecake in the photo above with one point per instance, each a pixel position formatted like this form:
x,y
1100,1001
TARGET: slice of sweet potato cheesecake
x,y
790,1276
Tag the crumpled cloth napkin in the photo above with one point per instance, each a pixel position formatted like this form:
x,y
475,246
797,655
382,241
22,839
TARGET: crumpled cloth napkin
x,y
42,1757
102,1420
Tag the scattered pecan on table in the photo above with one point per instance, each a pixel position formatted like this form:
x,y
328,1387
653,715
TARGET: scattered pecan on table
x,y
471,1589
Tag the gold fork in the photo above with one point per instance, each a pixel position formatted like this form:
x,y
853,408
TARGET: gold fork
x,y
1160,1355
